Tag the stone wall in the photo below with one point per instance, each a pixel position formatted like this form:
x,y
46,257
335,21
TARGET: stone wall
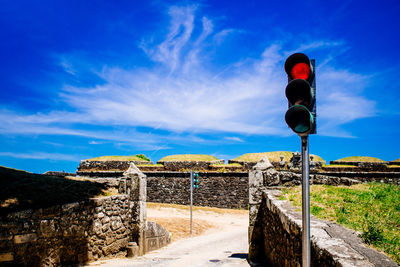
x,y
275,230
77,232
110,165
223,190
188,165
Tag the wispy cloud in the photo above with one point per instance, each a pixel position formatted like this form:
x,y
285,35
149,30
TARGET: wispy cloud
x,y
43,155
181,95
234,138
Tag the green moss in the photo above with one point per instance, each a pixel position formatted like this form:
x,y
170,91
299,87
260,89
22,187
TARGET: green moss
x,y
360,159
189,157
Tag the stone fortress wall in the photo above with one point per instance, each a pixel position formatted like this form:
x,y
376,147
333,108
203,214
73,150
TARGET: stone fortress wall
x,y
222,190
116,225
275,229
226,186
83,231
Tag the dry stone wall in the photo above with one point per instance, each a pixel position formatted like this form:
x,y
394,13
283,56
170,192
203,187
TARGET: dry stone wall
x,y
188,165
77,232
116,165
275,229
223,190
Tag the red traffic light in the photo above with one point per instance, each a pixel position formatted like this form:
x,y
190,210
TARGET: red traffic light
x,y
298,66
300,71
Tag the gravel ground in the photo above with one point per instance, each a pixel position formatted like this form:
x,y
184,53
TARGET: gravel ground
x,y
224,244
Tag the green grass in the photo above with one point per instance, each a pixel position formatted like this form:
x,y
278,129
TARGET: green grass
x,y
340,166
227,165
372,209
189,157
21,190
273,156
139,157
360,159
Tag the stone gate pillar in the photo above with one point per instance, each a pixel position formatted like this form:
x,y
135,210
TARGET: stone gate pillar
x,y
262,174
136,188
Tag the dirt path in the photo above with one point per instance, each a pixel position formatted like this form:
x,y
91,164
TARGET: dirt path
x,y
221,240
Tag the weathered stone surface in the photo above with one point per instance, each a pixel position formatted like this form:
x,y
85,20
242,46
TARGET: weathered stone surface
x,y
223,190
6,257
332,245
188,165
19,239
76,232
155,236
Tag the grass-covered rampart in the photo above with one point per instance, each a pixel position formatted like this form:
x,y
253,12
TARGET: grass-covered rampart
x,y
372,209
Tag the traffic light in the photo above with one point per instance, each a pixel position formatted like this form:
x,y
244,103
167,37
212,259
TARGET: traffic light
x,y
300,92
196,180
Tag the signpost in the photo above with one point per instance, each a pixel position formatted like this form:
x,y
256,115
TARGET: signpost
x,y
301,118
191,202
194,183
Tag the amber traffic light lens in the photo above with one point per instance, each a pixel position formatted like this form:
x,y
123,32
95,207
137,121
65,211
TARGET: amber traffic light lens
x,y
301,71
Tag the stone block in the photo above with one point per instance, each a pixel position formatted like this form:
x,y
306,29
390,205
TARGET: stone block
x,y
132,250
253,213
4,257
20,239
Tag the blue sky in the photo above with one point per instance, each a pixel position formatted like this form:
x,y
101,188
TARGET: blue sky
x,y
81,79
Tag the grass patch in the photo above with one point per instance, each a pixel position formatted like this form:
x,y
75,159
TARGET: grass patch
x,y
189,157
272,156
360,159
20,190
227,165
372,209
139,157
340,166
393,166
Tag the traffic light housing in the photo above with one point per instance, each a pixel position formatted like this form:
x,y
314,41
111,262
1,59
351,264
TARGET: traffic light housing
x,y
196,180
300,92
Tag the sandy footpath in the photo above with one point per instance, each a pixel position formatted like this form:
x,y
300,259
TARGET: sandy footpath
x,y
221,239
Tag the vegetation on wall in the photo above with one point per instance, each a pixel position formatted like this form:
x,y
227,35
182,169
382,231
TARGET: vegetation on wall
x,y
139,157
189,157
360,159
273,156
372,209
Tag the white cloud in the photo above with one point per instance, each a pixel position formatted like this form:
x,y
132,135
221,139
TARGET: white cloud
x,y
42,155
180,95
234,138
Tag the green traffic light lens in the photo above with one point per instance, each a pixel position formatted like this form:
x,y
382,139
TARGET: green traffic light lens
x,y
299,119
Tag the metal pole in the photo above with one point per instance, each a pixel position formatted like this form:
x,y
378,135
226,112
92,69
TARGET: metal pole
x,y
191,202
305,202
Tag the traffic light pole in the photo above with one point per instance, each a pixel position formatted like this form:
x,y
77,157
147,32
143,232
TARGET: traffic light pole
x,y
305,177
191,202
